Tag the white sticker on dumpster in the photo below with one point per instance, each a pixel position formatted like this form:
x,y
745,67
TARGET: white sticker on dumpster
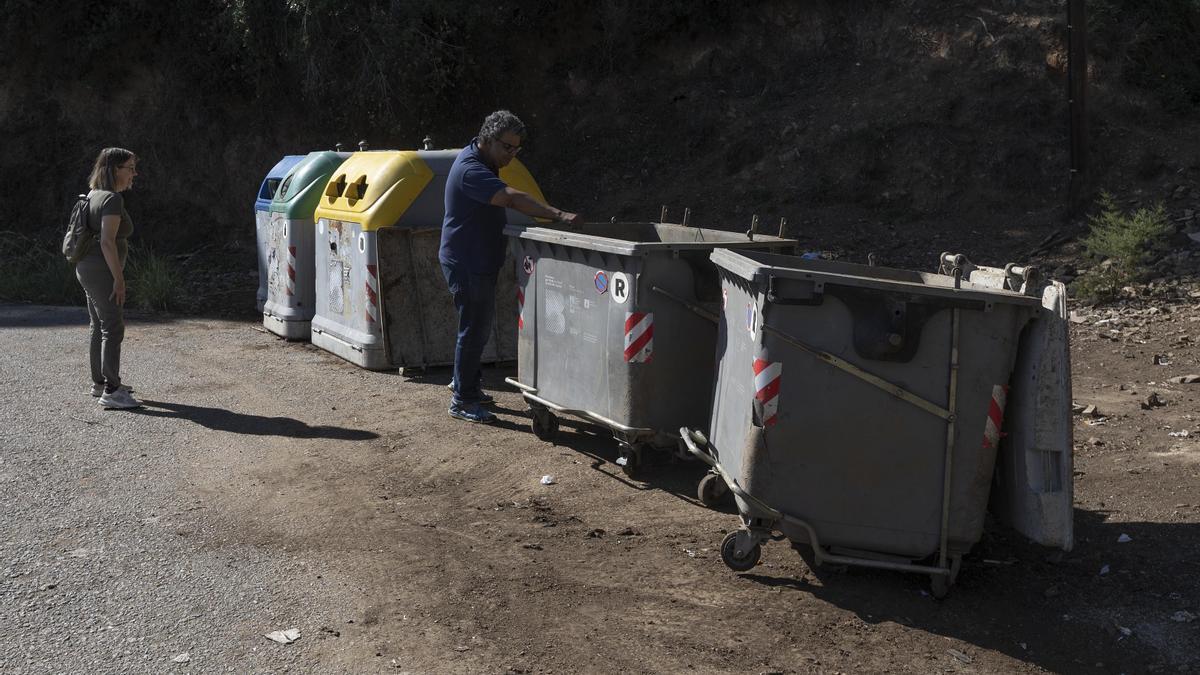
x,y
751,316
555,319
620,287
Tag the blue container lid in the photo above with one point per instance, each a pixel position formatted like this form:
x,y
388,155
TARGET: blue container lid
x,y
267,190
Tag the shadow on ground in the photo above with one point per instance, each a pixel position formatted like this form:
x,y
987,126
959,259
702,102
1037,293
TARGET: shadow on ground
x,y
220,419
50,316
1042,606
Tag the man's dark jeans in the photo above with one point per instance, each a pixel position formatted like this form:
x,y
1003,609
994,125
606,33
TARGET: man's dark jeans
x,y
475,299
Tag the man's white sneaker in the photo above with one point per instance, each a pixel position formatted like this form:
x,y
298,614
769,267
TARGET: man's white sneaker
x,y
98,389
120,399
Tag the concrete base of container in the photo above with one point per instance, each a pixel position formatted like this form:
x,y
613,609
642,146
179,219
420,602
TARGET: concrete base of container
x,y
288,330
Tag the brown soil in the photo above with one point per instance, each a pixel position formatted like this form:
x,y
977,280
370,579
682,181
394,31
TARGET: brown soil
x,y
430,545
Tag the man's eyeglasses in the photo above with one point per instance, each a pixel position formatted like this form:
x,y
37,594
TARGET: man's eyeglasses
x,y
509,147
131,167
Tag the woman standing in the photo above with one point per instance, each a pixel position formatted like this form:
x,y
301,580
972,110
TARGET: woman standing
x,y
101,272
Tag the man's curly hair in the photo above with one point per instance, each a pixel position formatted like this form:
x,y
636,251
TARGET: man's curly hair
x,y
499,123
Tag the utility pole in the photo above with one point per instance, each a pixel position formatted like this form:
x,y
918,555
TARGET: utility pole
x,y
1077,102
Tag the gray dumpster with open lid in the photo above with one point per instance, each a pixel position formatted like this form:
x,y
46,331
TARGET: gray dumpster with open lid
x,y
858,409
617,326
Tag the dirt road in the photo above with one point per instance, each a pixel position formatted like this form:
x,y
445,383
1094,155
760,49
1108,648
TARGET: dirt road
x,y
268,486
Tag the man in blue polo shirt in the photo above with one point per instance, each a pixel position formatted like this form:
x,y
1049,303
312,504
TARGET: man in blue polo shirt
x,y
472,248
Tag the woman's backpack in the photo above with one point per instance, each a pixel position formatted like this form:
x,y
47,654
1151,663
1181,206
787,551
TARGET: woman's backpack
x,y
79,237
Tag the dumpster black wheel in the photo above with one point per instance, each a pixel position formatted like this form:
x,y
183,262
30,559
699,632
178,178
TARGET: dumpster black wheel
x,y
730,554
634,457
712,490
939,585
544,424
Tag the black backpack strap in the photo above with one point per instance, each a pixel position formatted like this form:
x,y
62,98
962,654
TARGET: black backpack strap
x,y
87,216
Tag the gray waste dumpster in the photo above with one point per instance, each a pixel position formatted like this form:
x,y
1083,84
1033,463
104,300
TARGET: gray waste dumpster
x,y
617,326
858,409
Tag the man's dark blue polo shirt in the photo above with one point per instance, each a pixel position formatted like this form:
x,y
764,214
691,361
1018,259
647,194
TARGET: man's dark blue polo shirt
x,y
473,229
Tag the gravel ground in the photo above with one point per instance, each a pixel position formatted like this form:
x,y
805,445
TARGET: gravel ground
x,y
102,570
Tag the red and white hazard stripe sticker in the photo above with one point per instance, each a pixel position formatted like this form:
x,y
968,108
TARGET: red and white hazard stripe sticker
x,y
639,337
372,308
991,429
767,378
521,307
291,270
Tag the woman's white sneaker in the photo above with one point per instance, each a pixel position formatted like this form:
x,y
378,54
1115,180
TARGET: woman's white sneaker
x,y
120,399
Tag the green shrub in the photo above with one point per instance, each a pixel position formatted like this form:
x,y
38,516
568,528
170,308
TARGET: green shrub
x,y
1125,244
153,282
35,271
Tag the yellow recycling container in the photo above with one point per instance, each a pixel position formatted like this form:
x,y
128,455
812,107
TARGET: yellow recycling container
x,y
381,299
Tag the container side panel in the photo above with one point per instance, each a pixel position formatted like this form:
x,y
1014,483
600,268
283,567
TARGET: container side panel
x,y
526,256
401,294
290,268
572,333
1034,492
262,221
347,319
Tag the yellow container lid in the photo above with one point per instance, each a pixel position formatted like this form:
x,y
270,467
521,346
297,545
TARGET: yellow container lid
x,y
374,188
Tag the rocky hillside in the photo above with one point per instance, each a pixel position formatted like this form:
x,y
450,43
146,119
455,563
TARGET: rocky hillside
x,y
902,128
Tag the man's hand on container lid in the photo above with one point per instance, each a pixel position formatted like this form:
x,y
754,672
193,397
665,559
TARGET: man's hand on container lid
x,y
570,218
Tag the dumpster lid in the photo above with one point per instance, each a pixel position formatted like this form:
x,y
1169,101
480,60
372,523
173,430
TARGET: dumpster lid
x,y
635,239
1033,491
316,167
759,267
374,187
266,190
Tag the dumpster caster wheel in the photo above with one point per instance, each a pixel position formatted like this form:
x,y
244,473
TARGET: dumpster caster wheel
x,y
738,557
712,490
545,425
632,459
939,585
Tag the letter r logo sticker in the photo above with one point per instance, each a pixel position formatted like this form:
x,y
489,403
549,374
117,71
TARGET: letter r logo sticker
x,y
620,287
